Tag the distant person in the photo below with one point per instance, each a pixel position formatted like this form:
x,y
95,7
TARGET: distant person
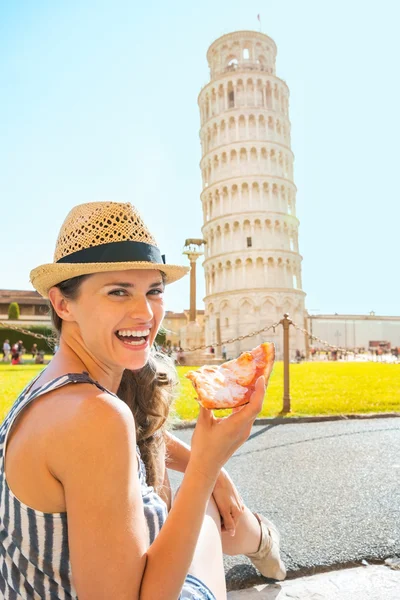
x,y
15,355
6,350
212,350
223,353
181,356
39,358
298,356
34,350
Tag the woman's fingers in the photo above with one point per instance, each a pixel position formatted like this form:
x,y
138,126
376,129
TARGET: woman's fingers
x,y
224,435
228,521
259,393
206,416
253,408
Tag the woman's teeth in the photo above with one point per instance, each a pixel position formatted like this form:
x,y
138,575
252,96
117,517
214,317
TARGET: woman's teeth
x,y
135,343
133,337
133,333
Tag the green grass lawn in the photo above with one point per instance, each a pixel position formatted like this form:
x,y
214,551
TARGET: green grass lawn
x,y
316,388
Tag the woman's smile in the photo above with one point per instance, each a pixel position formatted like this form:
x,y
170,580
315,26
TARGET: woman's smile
x,y
134,339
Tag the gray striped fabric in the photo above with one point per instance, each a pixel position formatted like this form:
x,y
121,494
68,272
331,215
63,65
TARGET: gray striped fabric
x,y
34,554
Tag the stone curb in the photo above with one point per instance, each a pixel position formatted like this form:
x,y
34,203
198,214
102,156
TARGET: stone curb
x,y
294,420
355,583
250,582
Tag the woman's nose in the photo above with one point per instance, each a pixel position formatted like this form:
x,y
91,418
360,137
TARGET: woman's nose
x,y
141,308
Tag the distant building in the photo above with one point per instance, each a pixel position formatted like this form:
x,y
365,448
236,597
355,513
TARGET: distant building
x,y
354,331
174,322
34,310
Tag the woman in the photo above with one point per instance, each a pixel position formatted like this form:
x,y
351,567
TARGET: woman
x,y
77,517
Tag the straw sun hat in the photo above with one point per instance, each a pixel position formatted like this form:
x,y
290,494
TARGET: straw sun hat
x,y
102,236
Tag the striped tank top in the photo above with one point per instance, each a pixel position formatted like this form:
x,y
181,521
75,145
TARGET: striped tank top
x,y
34,554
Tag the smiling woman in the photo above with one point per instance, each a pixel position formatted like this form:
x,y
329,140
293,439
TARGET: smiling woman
x,y
79,514
156,380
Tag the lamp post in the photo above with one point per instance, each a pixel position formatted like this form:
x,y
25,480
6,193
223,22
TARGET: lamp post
x,y
193,251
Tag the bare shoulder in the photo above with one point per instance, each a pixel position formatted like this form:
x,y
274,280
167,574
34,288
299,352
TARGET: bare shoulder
x,y
87,421
92,452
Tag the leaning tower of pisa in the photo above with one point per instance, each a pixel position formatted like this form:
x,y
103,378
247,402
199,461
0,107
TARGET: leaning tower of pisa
x,y
252,262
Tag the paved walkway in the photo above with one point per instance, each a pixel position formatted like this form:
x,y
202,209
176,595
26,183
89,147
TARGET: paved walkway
x,y
362,583
332,488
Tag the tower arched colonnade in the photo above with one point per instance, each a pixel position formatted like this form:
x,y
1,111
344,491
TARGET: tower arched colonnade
x,y
258,126
253,231
248,311
248,159
274,269
274,195
267,92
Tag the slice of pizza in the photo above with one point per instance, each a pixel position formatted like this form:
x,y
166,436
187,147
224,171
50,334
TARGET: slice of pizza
x,y
231,384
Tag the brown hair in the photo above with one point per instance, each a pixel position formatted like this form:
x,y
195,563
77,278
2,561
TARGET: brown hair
x,y
148,392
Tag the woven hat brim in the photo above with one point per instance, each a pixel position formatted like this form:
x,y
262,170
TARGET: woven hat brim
x,y
46,276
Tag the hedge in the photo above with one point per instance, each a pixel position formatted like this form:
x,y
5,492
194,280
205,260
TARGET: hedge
x,y
28,340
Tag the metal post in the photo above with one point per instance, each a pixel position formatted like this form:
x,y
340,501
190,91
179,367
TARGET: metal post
x,y
219,348
306,339
286,322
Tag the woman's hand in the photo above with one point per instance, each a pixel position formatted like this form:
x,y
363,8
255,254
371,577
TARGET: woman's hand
x,y
228,501
215,440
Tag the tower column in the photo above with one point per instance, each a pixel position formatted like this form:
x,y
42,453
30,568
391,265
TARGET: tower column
x,y
192,315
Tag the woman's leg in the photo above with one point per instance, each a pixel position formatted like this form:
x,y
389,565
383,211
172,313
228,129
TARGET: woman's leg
x,y
247,536
207,564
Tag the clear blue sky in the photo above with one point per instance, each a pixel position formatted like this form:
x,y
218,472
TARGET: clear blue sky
x,y
98,101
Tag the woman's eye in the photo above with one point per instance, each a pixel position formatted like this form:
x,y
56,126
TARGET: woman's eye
x,y
119,292
156,292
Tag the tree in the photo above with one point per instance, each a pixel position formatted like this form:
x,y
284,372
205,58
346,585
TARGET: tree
x,y
13,311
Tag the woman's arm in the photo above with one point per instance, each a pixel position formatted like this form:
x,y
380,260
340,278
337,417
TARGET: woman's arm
x,y
177,453
93,455
226,496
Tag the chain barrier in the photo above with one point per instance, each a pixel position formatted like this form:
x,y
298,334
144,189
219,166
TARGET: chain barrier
x,y
204,346
237,339
39,336
324,342
194,349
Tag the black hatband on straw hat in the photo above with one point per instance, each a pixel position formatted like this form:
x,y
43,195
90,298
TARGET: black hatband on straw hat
x,y
125,251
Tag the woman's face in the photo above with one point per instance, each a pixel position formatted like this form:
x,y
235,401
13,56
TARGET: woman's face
x,y
119,313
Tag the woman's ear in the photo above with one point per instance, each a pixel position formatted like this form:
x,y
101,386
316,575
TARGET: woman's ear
x,y
61,305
